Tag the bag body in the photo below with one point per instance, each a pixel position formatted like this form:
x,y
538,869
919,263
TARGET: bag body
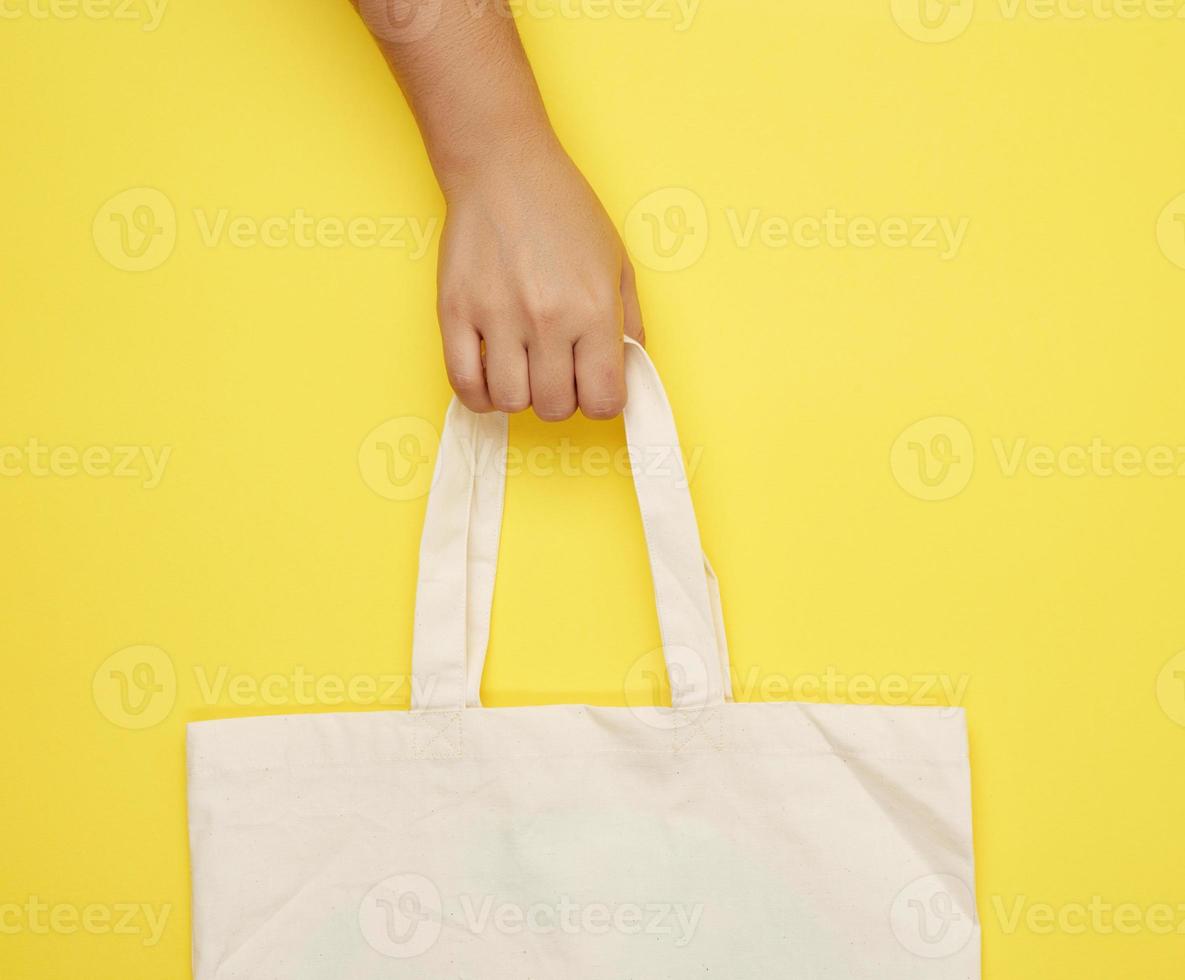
x,y
705,839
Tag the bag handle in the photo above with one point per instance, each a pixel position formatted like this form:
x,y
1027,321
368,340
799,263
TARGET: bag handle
x,y
459,554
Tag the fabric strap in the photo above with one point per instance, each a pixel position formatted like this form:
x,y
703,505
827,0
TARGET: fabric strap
x,y
462,529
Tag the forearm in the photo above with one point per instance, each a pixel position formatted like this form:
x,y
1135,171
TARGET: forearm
x,y
467,80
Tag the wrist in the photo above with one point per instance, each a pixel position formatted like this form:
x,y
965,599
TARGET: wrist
x,y
503,152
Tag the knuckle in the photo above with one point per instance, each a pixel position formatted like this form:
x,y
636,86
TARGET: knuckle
x,y
511,403
464,382
603,402
602,409
546,310
468,305
555,413
592,306
601,305
572,306
474,401
452,305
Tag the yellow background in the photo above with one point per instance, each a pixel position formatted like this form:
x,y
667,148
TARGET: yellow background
x,y
793,371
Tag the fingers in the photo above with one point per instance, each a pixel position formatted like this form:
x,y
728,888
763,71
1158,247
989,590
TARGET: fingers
x,y
600,374
507,378
630,307
462,360
600,354
565,355
553,379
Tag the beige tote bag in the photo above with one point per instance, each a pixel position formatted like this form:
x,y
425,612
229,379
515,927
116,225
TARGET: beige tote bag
x,y
708,839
